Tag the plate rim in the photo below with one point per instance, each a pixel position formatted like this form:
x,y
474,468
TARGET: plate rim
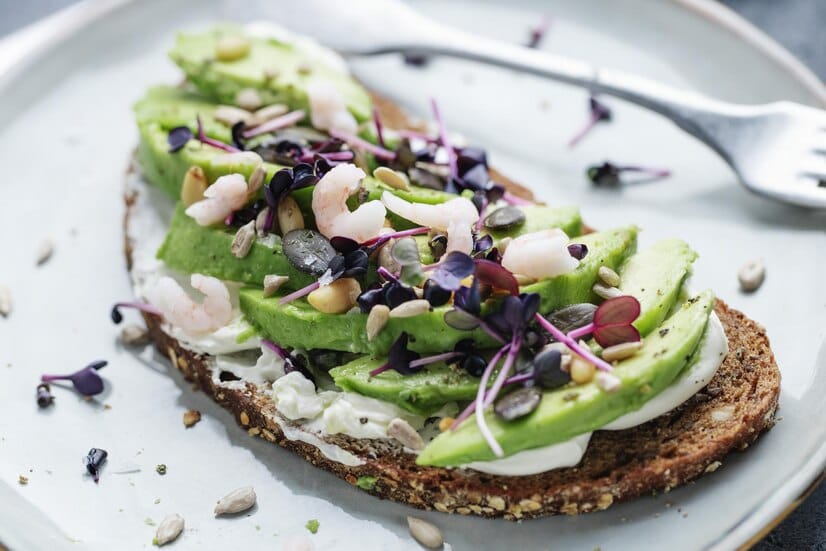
x,y
26,45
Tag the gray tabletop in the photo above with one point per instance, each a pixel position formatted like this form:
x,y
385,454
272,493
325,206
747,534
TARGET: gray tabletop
x,y
798,25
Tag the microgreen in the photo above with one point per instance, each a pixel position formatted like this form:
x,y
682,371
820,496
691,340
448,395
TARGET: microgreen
x,y
405,252
291,361
608,174
612,323
289,119
86,381
599,112
379,129
117,316
357,143
283,183
578,250
443,137
490,272
580,350
203,138
178,138
452,269
399,358
538,32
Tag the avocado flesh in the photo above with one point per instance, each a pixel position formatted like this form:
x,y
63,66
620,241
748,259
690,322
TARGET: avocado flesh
x,y
421,393
278,71
655,277
191,248
606,248
560,417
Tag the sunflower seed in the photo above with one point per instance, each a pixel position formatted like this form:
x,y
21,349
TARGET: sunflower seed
x,y
609,277
392,178
751,275
194,186
337,297
134,335
260,220
169,529
425,533
236,501
268,113
44,251
289,215
621,351
405,434
410,309
5,301
231,48
191,418
248,98
376,320
273,282
230,115
256,180
606,292
244,238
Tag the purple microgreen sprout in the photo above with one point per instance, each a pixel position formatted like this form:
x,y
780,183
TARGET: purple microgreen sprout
x,y
94,462
582,351
86,381
178,137
578,250
538,32
443,138
612,322
405,252
377,123
452,269
599,112
289,119
304,291
382,239
117,316
608,174
203,138
399,358
495,275
357,143
515,200
290,362
415,135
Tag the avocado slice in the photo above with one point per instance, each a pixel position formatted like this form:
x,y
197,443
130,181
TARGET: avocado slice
x,y
655,277
279,71
191,248
573,410
606,248
421,393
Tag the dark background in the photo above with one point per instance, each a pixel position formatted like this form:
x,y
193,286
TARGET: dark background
x,y
800,25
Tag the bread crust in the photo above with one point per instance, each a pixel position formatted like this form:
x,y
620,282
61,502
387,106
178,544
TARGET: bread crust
x,y
657,456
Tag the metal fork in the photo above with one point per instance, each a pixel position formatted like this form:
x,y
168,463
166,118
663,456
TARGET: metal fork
x,y
777,150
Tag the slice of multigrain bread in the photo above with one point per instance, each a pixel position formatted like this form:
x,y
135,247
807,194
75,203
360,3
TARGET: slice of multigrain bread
x,y
729,414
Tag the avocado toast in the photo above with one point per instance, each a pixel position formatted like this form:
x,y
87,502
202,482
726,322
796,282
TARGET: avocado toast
x,y
371,285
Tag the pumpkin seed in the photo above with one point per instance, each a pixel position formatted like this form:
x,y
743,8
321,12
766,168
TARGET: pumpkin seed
x,y
230,115
425,533
248,98
256,180
621,351
169,529
518,403
134,335
231,48
268,113
44,251
5,301
393,178
505,218
751,275
606,292
273,282
308,251
289,215
236,501
244,238
194,186
410,309
573,317
376,320
402,431
608,276
337,297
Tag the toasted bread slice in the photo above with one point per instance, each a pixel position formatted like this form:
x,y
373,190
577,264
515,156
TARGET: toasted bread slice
x,y
729,414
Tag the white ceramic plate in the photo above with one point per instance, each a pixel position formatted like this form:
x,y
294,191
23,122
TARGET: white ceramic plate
x,y
66,133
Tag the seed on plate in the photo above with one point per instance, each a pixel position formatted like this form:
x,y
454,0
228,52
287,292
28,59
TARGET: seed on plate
x,y
445,423
5,301
44,395
134,335
260,222
392,178
248,98
751,275
169,529
425,533
244,238
44,251
406,435
22,480
94,462
410,308
376,320
272,283
191,417
289,215
160,469
606,292
231,48
524,280
194,186
582,372
621,351
337,297
518,403
230,115
256,180
505,218
236,501
268,113
608,381
609,277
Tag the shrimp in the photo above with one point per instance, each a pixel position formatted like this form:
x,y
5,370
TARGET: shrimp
x,y
456,217
180,310
328,110
540,254
332,216
228,194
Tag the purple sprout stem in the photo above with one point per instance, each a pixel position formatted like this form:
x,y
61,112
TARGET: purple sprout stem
x,y
519,378
354,141
289,119
377,122
379,370
575,347
481,218
581,332
382,239
269,219
333,156
304,291
387,274
419,136
451,154
279,351
491,395
538,32
444,357
142,306
203,138
653,172
479,406
50,378
595,118
482,384
228,220
512,199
